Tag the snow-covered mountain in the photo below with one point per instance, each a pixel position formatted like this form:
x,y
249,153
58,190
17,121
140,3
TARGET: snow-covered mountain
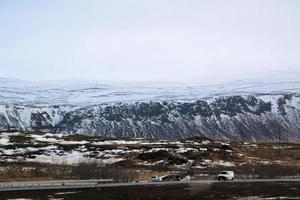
x,y
260,108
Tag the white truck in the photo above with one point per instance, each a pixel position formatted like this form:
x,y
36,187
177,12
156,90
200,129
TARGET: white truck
x,y
226,176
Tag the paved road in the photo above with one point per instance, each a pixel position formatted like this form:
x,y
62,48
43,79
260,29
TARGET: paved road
x,y
79,184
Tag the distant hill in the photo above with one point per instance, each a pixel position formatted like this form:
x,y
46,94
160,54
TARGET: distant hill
x,y
253,109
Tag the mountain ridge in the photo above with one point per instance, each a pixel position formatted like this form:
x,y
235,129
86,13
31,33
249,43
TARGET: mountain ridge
x,y
251,109
231,117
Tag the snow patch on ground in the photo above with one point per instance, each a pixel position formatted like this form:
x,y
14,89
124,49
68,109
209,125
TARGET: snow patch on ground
x,y
4,141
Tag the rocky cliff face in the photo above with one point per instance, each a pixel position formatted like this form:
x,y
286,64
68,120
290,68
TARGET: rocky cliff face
x,y
248,117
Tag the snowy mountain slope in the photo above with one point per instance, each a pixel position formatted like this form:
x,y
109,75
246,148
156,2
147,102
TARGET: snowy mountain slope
x,y
253,109
232,117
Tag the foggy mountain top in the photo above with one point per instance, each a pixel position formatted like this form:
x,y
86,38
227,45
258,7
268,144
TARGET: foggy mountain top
x,y
97,92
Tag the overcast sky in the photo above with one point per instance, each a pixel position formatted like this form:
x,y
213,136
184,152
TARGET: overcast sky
x,y
147,40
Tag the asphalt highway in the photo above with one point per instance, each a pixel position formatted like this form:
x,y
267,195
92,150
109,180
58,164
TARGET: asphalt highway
x,y
80,184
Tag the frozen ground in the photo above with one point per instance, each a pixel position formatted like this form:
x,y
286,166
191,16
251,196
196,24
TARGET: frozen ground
x,y
196,153
58,149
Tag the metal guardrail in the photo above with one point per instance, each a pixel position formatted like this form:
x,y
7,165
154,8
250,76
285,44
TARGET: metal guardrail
x,y
45,187
61,185
53,185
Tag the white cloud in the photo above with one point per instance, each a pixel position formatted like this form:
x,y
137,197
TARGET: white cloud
x,y
157,40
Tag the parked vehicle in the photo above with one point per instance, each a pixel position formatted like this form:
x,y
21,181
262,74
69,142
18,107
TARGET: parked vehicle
x,y
226,176
155,179
169,178
186,178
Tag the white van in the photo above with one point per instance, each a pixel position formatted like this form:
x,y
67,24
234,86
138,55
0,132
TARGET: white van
x,y
226,176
